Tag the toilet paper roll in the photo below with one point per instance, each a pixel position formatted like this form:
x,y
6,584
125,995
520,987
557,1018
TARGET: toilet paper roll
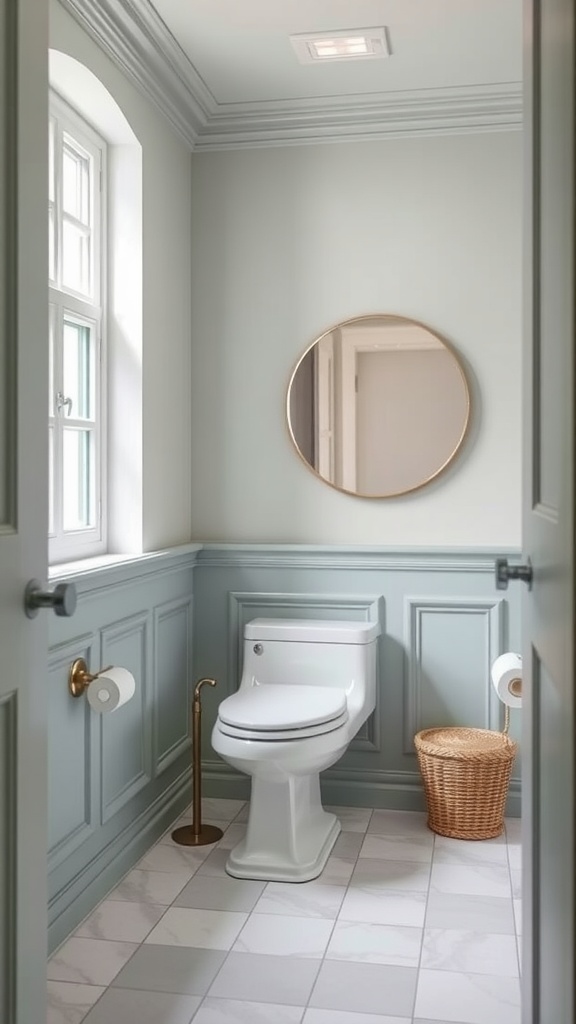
x,y
507,679
111,690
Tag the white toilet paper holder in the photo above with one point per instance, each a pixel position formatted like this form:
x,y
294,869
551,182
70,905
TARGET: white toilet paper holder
x,y
79,678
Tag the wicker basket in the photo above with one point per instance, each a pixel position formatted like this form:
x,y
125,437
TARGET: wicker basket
x,y
466,773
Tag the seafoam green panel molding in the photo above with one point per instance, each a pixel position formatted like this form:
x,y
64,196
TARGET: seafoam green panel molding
x,y
451,645
71,794
172,697
126,735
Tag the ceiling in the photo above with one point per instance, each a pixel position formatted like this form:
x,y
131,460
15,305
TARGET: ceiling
x,y
227,75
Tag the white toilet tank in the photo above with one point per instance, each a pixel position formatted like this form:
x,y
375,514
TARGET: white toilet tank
x,y
314,652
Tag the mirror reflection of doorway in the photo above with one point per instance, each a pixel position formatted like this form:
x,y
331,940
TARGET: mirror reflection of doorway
x,y
397,398
378,406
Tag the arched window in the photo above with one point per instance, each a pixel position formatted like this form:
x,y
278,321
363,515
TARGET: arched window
x,y
95,288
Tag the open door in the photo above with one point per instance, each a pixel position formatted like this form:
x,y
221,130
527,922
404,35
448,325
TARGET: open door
x,y
548,791
23,507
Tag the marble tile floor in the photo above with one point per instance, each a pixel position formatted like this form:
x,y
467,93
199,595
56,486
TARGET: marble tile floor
x,y
402,927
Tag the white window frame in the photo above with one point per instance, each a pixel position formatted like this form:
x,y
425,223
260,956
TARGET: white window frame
x,y
65,303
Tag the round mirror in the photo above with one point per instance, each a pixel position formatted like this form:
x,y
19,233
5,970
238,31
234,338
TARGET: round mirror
x,y
378,406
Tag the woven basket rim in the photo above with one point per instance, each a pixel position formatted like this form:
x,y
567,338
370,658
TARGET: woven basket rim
x,y
490,743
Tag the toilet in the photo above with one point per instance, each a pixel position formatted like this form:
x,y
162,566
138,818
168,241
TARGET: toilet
x,y
307,687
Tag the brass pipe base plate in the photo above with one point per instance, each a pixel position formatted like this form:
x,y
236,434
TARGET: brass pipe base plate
x,y
208,834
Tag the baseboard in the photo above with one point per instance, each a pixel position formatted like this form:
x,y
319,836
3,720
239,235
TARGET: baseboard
x,y
347,788
223,782
383,795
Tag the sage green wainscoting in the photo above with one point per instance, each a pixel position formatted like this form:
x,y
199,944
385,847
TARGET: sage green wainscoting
x,y
443,624
117,780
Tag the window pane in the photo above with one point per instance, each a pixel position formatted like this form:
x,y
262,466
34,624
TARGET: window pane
x,y
78,375
76,258
78,482
75,182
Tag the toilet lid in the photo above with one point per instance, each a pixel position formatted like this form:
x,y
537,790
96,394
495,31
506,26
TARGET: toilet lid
x,y
280,707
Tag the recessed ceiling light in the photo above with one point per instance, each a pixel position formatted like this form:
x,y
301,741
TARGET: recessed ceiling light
x,y
345,44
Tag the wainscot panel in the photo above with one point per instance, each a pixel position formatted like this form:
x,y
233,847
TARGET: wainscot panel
x,y
171,710
118,780
443,623
73,784
126,736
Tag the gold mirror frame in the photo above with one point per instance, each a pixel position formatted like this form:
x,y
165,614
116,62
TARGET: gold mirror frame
x,y
324,384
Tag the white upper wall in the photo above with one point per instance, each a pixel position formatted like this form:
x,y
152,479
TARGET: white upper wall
x,y
288,241
166,430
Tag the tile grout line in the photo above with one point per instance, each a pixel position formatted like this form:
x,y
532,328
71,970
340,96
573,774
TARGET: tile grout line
x,y
323,957
419,965
517,936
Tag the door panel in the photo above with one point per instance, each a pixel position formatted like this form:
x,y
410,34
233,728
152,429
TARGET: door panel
x,y
23,507
548,609
7,336
7,456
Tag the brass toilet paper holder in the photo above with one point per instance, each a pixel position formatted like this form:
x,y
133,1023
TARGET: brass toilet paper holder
x,y
79,678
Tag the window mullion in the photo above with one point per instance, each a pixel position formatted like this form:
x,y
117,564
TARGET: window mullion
x,y
80,224
75,305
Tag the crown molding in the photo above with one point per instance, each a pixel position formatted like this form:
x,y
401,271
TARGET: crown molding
x,y
483,108
133,34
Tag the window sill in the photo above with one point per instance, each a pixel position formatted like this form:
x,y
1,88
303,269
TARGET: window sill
x,y
98,563
62,569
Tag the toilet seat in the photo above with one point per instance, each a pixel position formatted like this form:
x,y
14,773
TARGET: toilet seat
x,y
280,712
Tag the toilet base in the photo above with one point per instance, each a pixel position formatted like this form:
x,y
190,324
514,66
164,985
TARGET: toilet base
x,y
289,836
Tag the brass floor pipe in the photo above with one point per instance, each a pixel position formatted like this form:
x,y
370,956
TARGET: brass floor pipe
x,y
197,834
